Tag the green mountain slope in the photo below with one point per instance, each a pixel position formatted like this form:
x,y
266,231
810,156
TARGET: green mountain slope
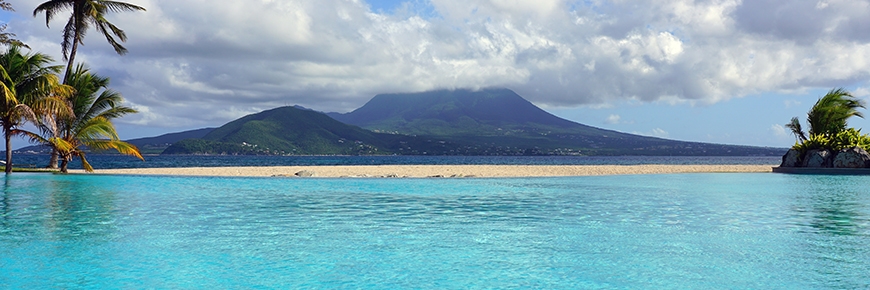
x,y
290,130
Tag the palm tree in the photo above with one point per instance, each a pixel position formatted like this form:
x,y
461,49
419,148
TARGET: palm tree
x,y
94,106
30,88
829,115
795,126
85,13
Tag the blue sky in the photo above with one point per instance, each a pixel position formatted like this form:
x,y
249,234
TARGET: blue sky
x,y
713,71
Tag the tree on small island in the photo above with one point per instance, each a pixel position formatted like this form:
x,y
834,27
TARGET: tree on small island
x,y
829,142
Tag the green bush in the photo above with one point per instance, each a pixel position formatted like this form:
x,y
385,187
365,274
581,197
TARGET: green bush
x,y
850,138
844,139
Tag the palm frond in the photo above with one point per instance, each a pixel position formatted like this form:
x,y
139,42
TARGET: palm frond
x,y
795,127
830,113
116,6
52,7
121,146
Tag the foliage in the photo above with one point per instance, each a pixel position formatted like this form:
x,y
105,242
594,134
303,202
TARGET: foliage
x,y
827,124
30,88
815,142
829,114
94,106
86,14
848,138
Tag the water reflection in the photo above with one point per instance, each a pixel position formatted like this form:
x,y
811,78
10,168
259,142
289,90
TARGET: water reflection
x,y
56,208
835,210
77,209
835,205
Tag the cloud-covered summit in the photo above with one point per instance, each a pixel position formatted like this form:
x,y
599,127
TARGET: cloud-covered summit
x,y
197,62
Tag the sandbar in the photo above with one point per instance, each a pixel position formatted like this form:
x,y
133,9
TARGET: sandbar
x,y
432,171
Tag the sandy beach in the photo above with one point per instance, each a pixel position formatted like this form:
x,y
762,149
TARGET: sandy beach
x,y
421,171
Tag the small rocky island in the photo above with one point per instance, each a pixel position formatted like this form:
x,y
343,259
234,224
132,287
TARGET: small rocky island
x,y
855,157
829,143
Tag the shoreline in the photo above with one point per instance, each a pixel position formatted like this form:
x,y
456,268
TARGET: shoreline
x,y
431,171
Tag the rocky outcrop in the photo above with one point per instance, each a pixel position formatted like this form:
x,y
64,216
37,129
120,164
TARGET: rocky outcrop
x,y
818,159
792,158
854,157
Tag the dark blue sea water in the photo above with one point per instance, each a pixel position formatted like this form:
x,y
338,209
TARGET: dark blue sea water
x,y
159,161
671,231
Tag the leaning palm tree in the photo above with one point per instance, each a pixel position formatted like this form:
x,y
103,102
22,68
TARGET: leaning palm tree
x,y
30,87
94,106
795,127
829,114
827,118
86,13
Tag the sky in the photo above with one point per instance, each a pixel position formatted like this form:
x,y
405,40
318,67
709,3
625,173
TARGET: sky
x,y
719,71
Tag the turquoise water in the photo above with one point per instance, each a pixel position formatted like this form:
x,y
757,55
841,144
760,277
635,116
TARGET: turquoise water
x,y
696,231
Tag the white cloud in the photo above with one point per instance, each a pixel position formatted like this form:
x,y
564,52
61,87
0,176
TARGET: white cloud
x,y
612,119
778,130
333,55
658,132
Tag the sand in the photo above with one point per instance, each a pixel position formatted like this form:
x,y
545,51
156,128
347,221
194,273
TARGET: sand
x,y
419,171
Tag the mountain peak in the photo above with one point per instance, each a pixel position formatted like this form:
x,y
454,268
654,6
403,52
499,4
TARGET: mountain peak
x,y
462,108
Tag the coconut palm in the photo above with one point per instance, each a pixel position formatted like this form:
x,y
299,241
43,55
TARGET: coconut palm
x,y
829,114
85,13
30,87
94,106
795,127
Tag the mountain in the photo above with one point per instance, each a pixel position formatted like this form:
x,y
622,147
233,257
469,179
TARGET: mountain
x,y
454,112
291,130
494,119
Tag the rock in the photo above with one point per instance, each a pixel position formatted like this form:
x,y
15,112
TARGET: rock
x,y
305,173
791,158
818,158
854,157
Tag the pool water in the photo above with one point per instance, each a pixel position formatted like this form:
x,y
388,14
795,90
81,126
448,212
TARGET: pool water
x,y
768,231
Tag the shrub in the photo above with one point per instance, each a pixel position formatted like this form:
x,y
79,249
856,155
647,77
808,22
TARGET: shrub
x,y
850,138
844,139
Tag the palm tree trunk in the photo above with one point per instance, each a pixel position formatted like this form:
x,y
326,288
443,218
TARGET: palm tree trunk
x,y
72,55
6,133
63,165
52,162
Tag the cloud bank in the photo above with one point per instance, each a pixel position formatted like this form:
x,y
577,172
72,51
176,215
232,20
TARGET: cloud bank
x,y
196,62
